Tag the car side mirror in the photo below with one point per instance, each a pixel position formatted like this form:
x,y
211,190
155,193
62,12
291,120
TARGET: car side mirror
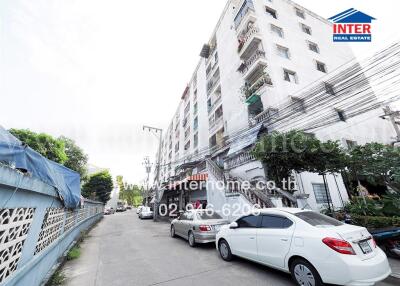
x,y
233,225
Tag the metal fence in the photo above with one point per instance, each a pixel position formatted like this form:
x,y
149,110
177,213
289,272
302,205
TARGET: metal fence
x,y
35,229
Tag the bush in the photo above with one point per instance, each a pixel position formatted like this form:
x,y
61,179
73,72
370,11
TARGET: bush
x,y
370,207
57,279
74,253
373,222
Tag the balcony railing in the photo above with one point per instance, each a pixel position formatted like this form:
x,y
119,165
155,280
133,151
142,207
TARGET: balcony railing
x,y
247,36
266,115
240,159
248,91
215,103
215,124
244,9
245,66
212,83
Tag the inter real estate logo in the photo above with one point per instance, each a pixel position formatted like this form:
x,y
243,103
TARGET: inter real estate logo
x,y
352,26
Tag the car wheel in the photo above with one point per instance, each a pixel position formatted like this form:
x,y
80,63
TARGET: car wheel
x,y
304,274
172,231
191,239
225,250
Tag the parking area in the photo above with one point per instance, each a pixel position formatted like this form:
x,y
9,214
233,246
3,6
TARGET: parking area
x,y
124,250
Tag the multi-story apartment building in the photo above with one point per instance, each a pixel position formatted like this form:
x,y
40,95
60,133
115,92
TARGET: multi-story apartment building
x,y
261,54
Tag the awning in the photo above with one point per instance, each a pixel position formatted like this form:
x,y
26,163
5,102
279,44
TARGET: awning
x,y
245,139
198,177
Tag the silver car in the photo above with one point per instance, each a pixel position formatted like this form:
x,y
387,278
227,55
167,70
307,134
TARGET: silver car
x,y
146,212
197,226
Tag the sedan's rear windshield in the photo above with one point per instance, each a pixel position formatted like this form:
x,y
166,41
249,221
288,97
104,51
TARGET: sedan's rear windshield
x,y
317,219
205,215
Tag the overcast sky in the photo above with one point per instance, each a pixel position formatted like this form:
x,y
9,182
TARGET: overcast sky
x,y
96,70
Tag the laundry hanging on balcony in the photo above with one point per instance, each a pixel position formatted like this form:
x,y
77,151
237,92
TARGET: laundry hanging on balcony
x,y
245,139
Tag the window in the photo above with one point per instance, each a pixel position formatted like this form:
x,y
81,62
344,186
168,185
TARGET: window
x,y
322,195
176,147
269,221
350,144
300,13
271,12
289,76
283,51
277,31
313,47
329,88
321,67
341,115
196,140
248,221
317,219
306,29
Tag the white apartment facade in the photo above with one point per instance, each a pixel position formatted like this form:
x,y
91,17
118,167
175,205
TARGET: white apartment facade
x,y
261,56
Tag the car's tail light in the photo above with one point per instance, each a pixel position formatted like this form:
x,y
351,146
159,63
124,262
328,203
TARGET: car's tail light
x,y
339,245
373,242
204,228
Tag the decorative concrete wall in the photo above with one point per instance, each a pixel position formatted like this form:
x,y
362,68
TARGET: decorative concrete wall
x,y
35,228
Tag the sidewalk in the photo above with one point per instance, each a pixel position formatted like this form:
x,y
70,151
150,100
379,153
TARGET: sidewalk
x,y
395,265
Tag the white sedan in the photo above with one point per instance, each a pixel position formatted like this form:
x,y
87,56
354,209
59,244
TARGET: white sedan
x,y
314,248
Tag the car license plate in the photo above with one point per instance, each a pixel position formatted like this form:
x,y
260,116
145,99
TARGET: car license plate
x,y
365,247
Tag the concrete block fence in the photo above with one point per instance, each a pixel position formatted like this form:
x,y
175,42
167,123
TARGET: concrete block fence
x,y
35,228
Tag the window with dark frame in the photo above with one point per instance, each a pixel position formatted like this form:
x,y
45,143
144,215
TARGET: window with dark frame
x,y
306,29
289,76
351,144
271,12
321,66
341,115
313,47
300,13
329,88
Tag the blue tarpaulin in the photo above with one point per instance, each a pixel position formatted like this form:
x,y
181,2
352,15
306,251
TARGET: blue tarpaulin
x,y
18,155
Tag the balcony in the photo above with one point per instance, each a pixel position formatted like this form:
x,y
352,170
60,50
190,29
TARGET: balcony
x,y
246,10
266,116
216,103
248,42
240,159
252,92
255,63
213,82
216,124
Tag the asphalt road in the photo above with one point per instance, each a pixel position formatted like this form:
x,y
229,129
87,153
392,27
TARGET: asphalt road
x,y
123,250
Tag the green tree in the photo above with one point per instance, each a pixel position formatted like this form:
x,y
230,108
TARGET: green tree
x,y
46,145
378,162
76,157
98,186
130,193
297,151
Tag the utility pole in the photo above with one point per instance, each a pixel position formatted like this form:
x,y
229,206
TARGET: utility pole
x,y
158,166
392,115
146,163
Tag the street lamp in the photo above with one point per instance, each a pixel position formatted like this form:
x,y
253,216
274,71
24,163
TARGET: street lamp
x,y
156,130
